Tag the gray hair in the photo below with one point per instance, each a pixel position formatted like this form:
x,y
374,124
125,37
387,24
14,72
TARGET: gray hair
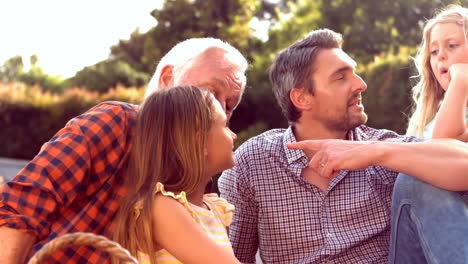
x,y
293,67
187,52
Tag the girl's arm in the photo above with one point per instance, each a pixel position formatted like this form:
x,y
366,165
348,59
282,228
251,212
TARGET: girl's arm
x,y
178,233
450,119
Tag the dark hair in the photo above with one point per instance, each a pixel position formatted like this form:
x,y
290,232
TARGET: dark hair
x,y
293,67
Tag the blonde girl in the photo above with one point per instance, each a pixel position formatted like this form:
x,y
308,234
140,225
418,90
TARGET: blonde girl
x,y
181,141
441,95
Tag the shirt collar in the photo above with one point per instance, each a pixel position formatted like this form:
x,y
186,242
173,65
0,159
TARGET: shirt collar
x,y
292,155
353,135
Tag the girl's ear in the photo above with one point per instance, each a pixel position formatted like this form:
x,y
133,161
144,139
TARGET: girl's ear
x,y
301,98
166,79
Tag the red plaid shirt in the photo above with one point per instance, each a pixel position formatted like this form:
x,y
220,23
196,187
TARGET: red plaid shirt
x,y
75,182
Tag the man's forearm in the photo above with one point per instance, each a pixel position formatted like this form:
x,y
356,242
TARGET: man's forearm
x,y
440,162
14,245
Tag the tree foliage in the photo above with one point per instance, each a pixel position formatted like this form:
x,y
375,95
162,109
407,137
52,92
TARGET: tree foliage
x,y
108,74
13,70
182,19
371,29
381,36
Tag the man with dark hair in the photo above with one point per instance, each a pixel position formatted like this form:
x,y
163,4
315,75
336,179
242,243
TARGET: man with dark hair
x,y
327,199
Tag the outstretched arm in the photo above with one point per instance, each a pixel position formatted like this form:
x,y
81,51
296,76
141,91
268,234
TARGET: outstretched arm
x,y
450,119
440,162
177,232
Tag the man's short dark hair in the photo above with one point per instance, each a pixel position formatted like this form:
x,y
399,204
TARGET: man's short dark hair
x,y
293,67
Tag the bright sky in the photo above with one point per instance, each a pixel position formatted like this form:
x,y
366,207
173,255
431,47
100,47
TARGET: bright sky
x,y
68,35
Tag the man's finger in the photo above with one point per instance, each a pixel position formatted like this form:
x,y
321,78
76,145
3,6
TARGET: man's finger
x,y
315,161
327,171
306,145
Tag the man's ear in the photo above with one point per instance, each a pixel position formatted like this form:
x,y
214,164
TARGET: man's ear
x,y
301,98
166,79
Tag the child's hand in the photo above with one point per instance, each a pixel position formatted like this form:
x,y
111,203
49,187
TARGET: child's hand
x,y
459,72
450,119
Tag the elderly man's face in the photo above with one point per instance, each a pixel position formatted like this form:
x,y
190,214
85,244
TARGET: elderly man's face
x,y
221,75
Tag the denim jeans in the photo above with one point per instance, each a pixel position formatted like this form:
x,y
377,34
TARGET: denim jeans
x,y
429,225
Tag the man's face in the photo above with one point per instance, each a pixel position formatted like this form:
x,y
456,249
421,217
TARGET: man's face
x,y
337,95
220,74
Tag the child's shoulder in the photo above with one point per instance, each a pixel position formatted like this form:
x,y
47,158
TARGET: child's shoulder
x,y
165,200
213,198
164,203
179,196
221,206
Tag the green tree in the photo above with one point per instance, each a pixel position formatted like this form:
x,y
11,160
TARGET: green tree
x,y
11,69
369,27
387,99
132,52
33,60
182,19
107,74
372,27
36,76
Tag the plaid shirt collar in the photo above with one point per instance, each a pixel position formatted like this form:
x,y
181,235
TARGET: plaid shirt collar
x,y
293,155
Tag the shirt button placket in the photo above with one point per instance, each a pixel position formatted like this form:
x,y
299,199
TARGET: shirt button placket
x,y
327,225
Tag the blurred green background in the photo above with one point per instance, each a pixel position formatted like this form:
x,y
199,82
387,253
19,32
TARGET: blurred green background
x,y
381,36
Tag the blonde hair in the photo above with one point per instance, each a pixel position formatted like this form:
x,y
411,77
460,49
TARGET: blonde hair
x,y
172,127
187,52
427,93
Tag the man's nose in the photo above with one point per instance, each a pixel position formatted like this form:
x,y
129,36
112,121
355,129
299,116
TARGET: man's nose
x,y
360,84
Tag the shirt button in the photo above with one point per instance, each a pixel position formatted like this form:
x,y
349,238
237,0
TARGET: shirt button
x,y
329,235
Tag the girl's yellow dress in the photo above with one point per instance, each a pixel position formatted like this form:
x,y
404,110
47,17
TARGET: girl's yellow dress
x,y
213,221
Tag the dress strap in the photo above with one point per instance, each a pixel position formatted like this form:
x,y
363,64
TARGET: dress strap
x,y
181,197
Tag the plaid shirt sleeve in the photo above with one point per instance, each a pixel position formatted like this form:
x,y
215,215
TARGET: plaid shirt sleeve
x,y
61,170
236,189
